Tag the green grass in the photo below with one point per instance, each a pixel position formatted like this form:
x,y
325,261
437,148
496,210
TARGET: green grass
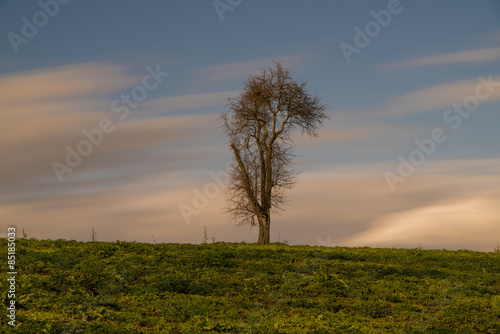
x,y
124,287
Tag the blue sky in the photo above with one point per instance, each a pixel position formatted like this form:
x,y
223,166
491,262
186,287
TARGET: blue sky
x,y
400,87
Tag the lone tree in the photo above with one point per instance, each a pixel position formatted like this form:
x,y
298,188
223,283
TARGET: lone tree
x,y
259,125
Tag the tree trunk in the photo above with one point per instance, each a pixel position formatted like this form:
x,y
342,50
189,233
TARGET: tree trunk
x,y
264,229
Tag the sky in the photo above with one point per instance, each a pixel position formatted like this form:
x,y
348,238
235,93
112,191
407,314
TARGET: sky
x,y
109,114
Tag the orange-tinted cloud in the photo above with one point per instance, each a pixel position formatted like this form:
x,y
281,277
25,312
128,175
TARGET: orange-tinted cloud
x,y
464,223
441,97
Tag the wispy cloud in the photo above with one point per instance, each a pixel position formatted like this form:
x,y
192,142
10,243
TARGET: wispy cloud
x,y
188,102
46,110
456,225
469,56
460,57
436,97
240,70
341,134
64,82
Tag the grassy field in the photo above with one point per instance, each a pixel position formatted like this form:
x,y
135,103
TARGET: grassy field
x,y
123,287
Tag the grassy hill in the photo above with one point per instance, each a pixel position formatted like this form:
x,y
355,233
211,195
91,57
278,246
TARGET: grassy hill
x,y
123,287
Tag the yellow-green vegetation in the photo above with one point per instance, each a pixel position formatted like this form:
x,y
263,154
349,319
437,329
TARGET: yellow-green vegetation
x,y
124,287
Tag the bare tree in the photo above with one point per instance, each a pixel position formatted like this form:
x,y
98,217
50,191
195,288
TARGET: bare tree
x,y
259,125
